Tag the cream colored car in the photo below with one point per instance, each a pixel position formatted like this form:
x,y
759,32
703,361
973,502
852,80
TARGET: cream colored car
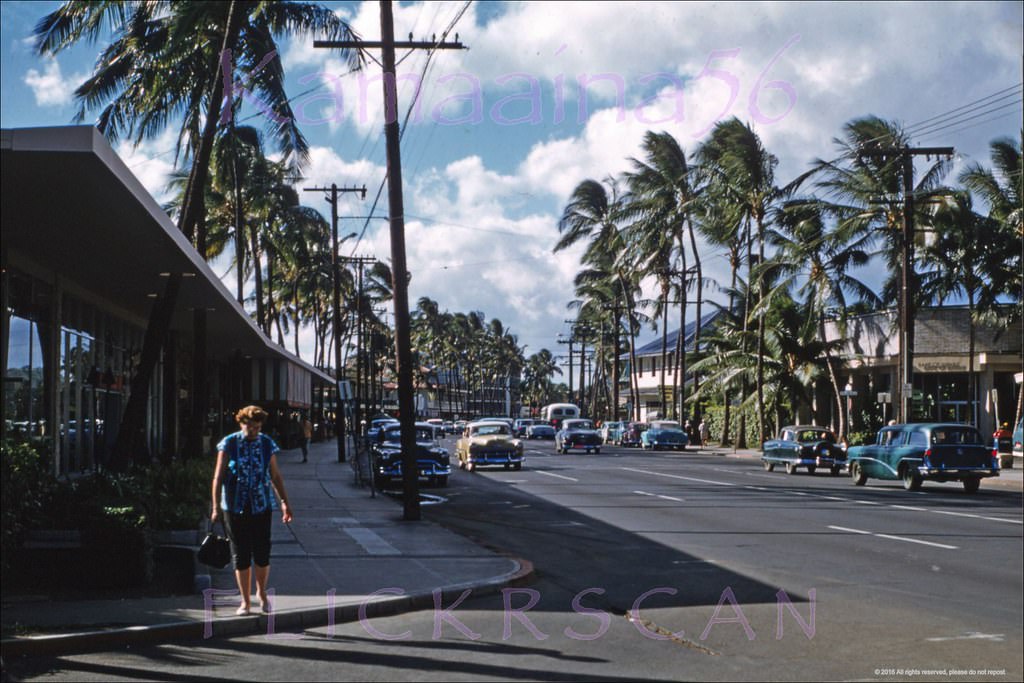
x,y
489,443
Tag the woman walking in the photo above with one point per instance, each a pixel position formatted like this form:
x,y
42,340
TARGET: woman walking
x,y
245,473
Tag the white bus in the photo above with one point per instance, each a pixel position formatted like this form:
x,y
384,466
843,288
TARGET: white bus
x,y
554,413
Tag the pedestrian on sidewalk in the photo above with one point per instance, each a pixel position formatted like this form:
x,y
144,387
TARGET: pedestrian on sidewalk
x,y
704,433
307,437
243,477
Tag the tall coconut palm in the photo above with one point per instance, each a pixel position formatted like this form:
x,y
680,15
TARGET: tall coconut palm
x,y
664,195
864,192
745,172
962,240
594,213
812,261
1002,189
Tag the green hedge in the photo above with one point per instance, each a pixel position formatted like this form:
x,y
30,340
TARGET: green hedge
x,y
115,513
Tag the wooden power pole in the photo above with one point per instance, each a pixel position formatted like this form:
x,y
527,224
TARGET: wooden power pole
x,y
399,271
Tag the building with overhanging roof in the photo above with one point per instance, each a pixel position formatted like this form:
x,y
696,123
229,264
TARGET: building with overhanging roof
x,y
86,251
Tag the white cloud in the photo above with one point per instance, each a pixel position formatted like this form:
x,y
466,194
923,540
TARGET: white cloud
x,y
51,88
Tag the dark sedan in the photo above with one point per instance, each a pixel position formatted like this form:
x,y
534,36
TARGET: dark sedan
x,y
579,434
433,462
540,431
632,434
804,446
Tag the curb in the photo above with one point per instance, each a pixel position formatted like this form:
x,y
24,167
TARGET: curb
x,y
305,618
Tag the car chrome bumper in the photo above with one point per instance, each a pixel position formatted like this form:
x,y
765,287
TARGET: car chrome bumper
x,y
956,473
427,468
494,458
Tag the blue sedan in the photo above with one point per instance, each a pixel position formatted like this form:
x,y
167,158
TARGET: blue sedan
x,y
664,435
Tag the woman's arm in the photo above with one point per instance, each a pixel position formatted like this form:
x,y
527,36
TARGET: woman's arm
x,y
278,481
218,474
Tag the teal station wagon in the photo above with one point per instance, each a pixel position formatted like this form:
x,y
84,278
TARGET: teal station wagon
x,y
916,453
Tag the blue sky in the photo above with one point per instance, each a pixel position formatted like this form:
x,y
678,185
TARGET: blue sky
x,y
550,94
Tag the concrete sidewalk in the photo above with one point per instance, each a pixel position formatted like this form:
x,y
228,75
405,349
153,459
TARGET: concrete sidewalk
x,y
345,553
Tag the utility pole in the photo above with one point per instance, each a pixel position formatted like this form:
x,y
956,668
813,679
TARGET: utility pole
x,y
399,271
339,373
615,308
359,261
905,385
570,341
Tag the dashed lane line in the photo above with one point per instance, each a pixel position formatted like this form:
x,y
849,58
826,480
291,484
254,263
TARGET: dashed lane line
x,y
893,538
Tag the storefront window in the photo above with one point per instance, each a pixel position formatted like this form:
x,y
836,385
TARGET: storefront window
x,y
24,377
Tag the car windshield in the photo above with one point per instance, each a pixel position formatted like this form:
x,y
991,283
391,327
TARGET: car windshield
x,y
394,434
816,435
579,424
484,430
956,436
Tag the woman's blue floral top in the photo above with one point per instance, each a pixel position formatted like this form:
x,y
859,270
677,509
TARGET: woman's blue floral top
x,y
247,488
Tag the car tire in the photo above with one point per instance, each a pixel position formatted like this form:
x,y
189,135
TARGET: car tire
x,y
972,485
811,469
379,482
835,470
769,466
857,475
508,466
790,468
911,479
518,466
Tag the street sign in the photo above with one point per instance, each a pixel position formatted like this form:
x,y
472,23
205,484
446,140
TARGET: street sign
x,y
344,390
884,397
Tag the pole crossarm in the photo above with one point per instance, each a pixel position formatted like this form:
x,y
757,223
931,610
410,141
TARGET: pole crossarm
x,y
398,44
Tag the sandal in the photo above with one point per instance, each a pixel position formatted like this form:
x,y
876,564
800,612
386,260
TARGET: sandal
x,y
242,611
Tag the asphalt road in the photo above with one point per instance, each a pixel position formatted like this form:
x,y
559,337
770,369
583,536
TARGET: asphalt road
x,y
670,566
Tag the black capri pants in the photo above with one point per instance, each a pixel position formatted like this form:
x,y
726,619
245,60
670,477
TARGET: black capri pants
x,y
250,538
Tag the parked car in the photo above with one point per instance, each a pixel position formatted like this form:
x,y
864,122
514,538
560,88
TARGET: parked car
x,y
611,432
916,453
520,425
433,461
377,424
632,433
540,431
804,446
489,442
577,433
664,434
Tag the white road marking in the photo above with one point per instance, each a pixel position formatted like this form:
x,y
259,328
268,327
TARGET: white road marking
x,y
676,476
658,495
893,538
967,514
552,474
996,637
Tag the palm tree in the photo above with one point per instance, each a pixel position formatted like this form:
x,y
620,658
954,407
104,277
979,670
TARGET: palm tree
x,y
594,213
663,193
1001,189
745,172
812,261
962,240
159,67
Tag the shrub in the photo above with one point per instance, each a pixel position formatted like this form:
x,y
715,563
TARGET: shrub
x,y
27,489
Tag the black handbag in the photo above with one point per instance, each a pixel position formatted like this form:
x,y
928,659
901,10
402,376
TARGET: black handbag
x,y
214,551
